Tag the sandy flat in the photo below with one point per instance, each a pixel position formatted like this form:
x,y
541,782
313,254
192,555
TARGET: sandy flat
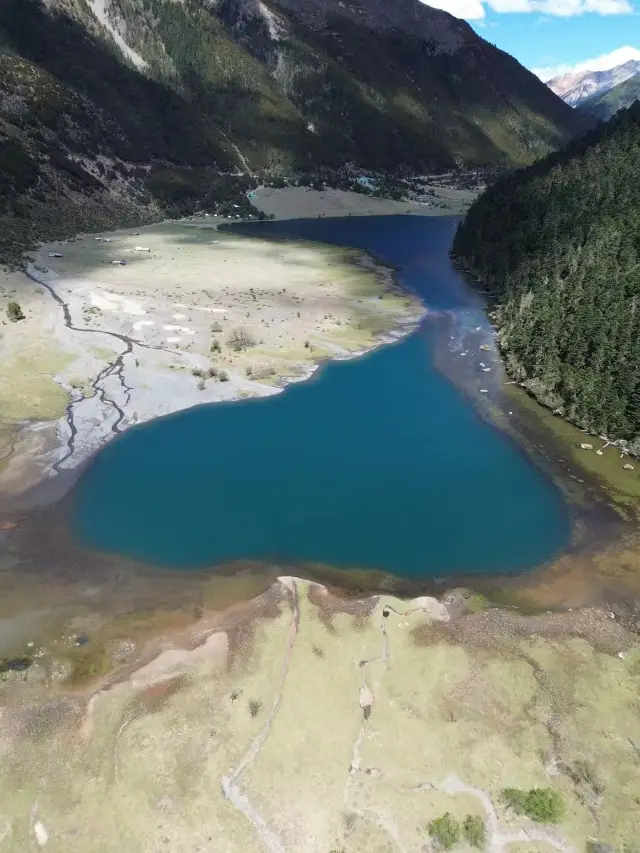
x,y
179,293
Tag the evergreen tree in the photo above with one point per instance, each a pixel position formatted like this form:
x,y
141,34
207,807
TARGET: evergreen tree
x,y
558,245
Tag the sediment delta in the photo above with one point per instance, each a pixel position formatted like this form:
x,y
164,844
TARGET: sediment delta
x,y
133,325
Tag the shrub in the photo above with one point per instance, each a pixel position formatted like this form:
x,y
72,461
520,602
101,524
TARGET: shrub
x,y
223,376
261,371
445,832
544,805
215,345
240,339
217,327
474,832
14,312
515,799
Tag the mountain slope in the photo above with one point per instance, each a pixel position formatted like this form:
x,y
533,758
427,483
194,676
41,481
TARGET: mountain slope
x,y
380,84
80,130
575,89
117,109
558,244
383,85
603,106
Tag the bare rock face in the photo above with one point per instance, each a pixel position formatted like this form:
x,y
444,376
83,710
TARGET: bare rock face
x,y
248,16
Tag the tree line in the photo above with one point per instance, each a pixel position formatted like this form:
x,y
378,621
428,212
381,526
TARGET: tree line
x,y
558,246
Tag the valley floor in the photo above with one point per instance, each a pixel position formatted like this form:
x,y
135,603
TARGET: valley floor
x,y
242,711
302,202
125,327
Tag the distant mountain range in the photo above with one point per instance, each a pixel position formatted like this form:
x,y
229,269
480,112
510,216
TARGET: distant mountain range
x,y
107,106
606,104
586,88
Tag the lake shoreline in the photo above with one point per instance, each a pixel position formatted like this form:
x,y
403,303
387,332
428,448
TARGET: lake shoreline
x,y
404,317
525,385
502,407
34,439
350,581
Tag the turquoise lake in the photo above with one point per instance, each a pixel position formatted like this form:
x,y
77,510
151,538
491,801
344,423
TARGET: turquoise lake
x,y
377,463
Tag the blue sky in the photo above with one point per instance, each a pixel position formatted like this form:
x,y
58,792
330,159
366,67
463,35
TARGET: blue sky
x,y
555,36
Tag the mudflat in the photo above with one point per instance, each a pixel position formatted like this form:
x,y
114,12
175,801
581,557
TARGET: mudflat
x,y
162,303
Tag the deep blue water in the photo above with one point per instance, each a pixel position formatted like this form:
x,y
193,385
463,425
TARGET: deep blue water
x,y
379,462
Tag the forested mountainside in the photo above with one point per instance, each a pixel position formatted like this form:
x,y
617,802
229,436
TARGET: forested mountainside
x,y
608,103
558,245
116,110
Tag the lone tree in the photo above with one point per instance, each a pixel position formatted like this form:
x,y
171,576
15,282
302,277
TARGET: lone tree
x,y
240,339
444,832
474,831
544,805
14,312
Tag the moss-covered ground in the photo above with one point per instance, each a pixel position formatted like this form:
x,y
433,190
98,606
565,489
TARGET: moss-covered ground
x,y
307,723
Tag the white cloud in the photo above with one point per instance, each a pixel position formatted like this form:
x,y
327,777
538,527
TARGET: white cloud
x,y
474,9
598,63
471,10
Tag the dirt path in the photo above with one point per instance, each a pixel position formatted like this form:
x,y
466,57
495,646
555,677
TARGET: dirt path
x,y
230,787
497,838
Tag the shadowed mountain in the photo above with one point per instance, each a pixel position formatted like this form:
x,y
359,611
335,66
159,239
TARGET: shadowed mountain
x,y
116,111
378,84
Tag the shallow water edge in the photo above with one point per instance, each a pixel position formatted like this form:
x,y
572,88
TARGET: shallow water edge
x,y
600,563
